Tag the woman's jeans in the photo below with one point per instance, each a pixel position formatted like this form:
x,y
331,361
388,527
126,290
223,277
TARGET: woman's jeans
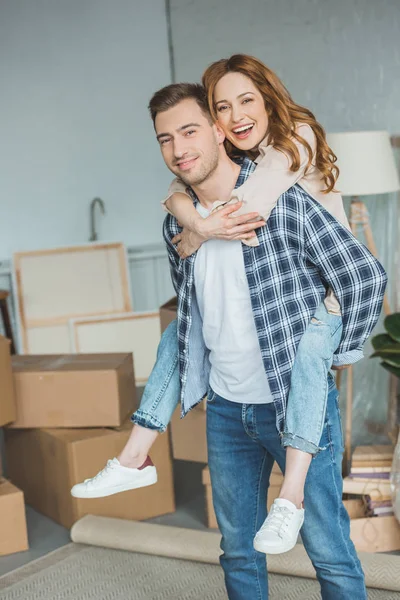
x,y
163,389
242,445
308,392
305,413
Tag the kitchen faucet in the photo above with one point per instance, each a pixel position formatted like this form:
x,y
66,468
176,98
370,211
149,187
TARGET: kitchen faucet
x,y
93,204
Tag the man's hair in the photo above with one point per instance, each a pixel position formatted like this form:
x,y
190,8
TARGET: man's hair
x,y
171,95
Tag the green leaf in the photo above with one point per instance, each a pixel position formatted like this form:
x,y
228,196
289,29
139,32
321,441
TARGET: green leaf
x,y
392,326
384,343
392,359
391,369
386,352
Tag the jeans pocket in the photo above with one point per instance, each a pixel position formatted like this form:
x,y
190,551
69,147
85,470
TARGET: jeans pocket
x,y
210,395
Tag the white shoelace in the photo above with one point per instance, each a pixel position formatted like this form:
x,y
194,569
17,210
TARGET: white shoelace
x,y
109,466
278,520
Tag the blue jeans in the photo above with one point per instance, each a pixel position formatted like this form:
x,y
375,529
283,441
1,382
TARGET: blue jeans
x,y
242,445
163,389
305,413
308,391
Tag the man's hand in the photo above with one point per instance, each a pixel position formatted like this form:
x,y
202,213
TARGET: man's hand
x,y
341,368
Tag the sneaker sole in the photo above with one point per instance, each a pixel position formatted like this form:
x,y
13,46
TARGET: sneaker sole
x,y
150,479
260,547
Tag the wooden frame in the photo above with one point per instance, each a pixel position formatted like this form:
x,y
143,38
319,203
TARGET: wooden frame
x,y
42,274
138,333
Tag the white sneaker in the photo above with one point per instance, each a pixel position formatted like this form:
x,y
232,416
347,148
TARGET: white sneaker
x,y
280,529
115,478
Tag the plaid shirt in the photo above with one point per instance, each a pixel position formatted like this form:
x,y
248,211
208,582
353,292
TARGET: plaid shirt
x,y
303,250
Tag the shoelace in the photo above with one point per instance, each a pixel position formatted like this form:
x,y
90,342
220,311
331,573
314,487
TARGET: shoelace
x,y
278,519
109,466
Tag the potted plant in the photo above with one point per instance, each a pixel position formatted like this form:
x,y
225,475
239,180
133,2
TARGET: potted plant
x,y
387,345
387,348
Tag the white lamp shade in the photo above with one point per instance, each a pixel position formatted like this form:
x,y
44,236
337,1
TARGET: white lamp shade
x,y
366,163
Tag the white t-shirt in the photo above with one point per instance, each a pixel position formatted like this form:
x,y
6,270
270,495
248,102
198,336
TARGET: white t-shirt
x,y
223,296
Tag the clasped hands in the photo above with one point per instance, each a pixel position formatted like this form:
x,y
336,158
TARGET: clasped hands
x,y
221,225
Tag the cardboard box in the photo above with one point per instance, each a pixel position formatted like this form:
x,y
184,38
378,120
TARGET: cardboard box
x,y
375,534
7,393
46,463
275,484
356,508
76,390
188,435
14,536
168,313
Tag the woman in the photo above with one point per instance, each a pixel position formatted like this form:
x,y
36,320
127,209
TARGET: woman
x,y
258,117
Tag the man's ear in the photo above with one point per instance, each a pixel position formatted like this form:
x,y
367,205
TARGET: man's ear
x,y
219,133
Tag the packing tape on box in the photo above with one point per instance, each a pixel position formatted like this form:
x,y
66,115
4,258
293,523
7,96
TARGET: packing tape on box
x,y
382,571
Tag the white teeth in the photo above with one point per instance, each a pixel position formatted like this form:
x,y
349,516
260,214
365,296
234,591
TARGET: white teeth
x,y
241,129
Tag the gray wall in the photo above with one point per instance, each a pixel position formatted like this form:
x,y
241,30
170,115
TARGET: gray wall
x,y
76,77
340,58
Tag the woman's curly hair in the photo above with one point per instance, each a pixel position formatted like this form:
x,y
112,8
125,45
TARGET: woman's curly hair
x,y
284,115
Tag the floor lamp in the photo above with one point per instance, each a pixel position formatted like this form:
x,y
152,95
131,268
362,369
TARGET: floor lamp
x,y
367,167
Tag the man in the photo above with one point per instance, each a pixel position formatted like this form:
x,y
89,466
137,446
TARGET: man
x,y
231,315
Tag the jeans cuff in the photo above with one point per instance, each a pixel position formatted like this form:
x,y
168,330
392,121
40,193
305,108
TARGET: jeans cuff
x,y
147,420
299,443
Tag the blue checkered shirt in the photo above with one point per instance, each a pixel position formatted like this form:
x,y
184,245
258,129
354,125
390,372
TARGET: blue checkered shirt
x,y
302,251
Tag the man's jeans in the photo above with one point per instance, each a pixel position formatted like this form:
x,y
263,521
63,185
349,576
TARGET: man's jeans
x,y
242,445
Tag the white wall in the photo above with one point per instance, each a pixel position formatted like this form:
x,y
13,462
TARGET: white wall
x,y
76,77
341,58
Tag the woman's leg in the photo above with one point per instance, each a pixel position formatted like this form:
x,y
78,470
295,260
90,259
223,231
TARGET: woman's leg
x,y
137,448
160,398
307,400
304,423
133,468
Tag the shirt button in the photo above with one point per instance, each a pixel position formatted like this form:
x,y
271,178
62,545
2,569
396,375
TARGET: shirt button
x,y
184,351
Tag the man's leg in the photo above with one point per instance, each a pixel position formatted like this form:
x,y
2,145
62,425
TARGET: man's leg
x,y
239,469
326,529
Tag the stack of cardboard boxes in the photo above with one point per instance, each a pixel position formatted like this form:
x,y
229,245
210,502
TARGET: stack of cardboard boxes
x,y
374,528
189,440
13,530
72,414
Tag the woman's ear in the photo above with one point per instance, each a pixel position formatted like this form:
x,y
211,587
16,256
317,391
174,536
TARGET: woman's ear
x,y
220,135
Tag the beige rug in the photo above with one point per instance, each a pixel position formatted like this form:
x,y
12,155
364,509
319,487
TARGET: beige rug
x,y
382,571
78,572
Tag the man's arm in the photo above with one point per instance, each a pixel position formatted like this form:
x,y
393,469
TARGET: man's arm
x,y
356,277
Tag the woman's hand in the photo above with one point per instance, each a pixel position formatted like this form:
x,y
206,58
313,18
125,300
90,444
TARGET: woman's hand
x,y
187,242
219,225
223,225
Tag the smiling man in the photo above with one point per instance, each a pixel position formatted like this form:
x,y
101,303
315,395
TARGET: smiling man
x,y
231,317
